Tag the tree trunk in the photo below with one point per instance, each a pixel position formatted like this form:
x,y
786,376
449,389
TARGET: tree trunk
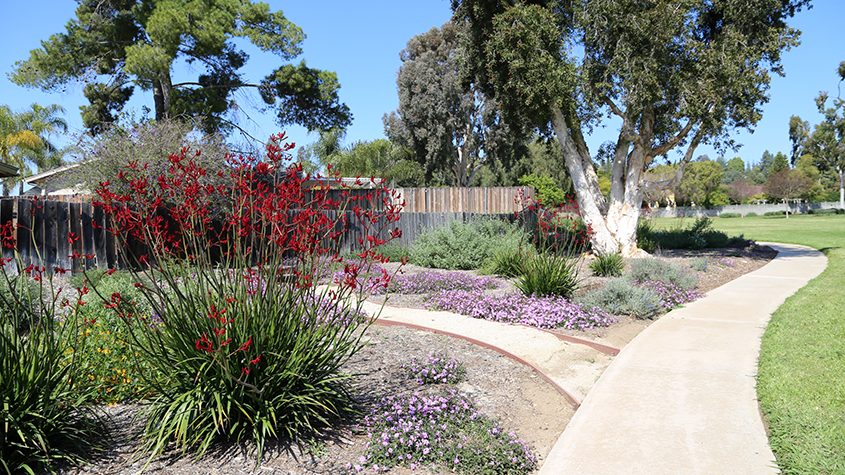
x,y
615,232
162,89
841,188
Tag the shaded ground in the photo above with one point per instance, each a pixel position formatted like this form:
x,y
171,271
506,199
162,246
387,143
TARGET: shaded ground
x,y
503,389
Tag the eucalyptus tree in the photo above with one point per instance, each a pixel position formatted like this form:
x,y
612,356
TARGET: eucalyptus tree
x,y
452,128
674,75
826,143
115,47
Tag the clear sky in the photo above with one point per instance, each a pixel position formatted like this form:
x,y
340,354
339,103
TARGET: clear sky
x,y
361,41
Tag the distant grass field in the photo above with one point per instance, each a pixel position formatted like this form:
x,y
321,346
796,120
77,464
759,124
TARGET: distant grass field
x,y
801,381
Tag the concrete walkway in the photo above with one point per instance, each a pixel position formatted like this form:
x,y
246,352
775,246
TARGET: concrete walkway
x,y
573,368
680,398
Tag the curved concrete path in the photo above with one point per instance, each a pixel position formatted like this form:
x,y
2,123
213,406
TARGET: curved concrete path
x,y
680,398
572,367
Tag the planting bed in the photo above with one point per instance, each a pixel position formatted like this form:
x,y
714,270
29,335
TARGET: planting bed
x,y
722,266
507,391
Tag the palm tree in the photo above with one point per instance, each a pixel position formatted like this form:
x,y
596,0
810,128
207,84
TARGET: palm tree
x,y
25,139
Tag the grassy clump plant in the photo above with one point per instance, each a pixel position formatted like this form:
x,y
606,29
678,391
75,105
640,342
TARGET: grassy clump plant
x,y
510,261
608,265
249,348
46,415
549,275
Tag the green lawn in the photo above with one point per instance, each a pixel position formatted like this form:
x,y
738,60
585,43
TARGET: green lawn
x,y
801,383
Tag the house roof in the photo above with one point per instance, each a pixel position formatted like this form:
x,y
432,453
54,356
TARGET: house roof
x,y
39,178
8,171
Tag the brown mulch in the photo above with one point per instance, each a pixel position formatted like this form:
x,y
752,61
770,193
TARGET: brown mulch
x,y
503,389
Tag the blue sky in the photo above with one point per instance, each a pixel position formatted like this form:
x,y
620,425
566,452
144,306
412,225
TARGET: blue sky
x,y
361,42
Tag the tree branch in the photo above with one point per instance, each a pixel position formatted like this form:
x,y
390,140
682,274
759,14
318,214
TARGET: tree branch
x,y
675,140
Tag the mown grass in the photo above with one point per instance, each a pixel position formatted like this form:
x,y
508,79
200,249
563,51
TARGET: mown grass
x,y
801,381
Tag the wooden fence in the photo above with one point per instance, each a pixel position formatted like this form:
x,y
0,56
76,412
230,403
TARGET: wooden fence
x,y
43,227
480,200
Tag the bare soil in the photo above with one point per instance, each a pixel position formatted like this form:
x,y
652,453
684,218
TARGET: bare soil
x,y
503,389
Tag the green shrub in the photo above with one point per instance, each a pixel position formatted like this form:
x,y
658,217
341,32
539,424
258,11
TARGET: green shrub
x,y
608,265
547,191
46,417
730,215
699,235
645,231
509,261
394,251
775,213
622,297
549,275
465,246
112,365
750,215
823,211
653,269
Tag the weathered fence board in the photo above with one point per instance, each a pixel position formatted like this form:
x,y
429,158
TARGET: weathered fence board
x,y
43,227
481,199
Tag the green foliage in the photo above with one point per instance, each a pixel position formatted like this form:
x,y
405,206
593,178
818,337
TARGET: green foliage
x,y
653,269
394,251
750,215
547,192
549,275
608,265
700,184
447,122
135,46
286,382
669,66
622,297
25,140
730,215
699,235
46,418
378,158
109,357
775,213
509,261
823,211
459,245
645,231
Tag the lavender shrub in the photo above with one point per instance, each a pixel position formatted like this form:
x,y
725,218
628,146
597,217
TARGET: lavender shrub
x,y
443,431
542,312
437,368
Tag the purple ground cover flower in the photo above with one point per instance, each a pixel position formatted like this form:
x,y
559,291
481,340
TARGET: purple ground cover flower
x,y
671,295
442,430
542,312
429,282
727,262
437,368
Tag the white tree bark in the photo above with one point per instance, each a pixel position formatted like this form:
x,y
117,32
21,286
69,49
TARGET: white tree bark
x,y
613,223
841,187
